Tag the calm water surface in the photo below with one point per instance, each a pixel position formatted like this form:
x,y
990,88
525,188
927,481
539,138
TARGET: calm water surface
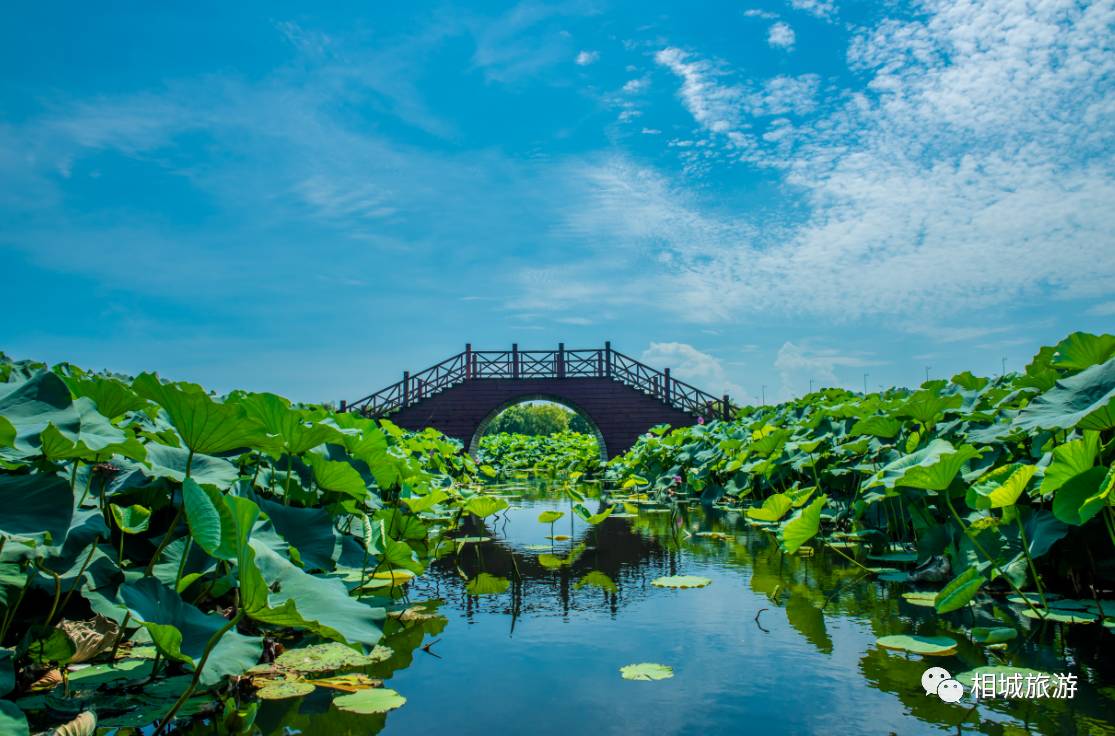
x,y
776,644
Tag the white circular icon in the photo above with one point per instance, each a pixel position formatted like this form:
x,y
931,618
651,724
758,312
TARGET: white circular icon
x,y
933,677
950,691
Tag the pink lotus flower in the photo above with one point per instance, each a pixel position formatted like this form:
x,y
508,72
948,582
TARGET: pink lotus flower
x,y
700,420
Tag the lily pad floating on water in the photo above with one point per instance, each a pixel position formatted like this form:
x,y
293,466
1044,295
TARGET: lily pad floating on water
x,y
284,689
539,547
471,540
993,635
930,646
1061,617
329,657
920,598
646,671
367,702
396,577
710,535
895,557
680,581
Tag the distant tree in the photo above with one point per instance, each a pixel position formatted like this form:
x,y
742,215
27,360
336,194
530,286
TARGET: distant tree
x,y
539,418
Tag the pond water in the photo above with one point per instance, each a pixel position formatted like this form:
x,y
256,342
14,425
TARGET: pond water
x,y
776,644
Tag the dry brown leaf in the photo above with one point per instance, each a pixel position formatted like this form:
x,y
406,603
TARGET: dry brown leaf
x,y
84,725
90,637
47,681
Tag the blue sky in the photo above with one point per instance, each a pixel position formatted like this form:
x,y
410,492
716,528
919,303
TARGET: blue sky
x,y
271,196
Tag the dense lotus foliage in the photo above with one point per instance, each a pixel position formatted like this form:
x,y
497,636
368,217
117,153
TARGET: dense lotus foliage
x,y
178,539
548,454
984,484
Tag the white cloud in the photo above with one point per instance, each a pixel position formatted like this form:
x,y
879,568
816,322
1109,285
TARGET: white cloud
x,y
584,58
635,86
797,365
781,36
713,106
819,8
1104,309
651,131
757,13
689,364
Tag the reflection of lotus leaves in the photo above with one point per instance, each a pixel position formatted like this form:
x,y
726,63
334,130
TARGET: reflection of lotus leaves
x,y
680,581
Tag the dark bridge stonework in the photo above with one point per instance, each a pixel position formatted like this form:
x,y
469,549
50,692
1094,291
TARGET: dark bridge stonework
x,y
620,396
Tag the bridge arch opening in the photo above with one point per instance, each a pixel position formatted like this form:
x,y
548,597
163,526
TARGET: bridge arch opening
x,y
486,422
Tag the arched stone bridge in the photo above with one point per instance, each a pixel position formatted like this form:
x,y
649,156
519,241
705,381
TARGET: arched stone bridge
x,y
621,397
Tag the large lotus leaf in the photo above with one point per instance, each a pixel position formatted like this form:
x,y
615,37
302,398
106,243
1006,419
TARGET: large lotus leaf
x,y
925,645
181,631
419,504
113,398
1084,496
646,671
773,509
12,720
7,672
299,600
483,506
29,406
1001,487
35,504
337,476
803,526
171,462
275,415
1085,400
549,517
932,467
876,426
210,520
1070,460
206,426
370,701
401,554
1081,350
310,531
960,591
318,659
132,519
926,405
7,433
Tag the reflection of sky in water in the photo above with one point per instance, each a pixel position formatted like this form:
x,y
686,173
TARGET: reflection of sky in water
x,y
543,658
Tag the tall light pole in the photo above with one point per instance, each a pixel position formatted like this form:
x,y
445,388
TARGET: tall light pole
x,y
764,394
927,372
865,375
1004,366
810,385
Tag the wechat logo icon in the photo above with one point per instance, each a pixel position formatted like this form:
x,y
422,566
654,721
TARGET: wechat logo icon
x,y
937,681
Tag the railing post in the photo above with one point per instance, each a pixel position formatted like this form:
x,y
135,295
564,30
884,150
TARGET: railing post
x,y
666,385
727,409
514,360
468,360
561,360
608,359
406,388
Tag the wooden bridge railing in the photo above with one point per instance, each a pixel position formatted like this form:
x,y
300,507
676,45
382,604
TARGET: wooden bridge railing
x,y
561,363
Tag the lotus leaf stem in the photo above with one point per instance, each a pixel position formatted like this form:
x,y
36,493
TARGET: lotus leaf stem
x,y
77,580
209,646
1030,560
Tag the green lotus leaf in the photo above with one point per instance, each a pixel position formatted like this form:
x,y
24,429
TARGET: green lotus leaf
x,y
12,720
205,426
681,581
925,645
284,689
7,433
773,509
876,426
295,434
332,657
112,398
1070,460
590,517
1081,350
210,520
485,584
646,671
29,406
549,517
418,504
1085,495
132,519
370,701
1001,487
932,467
171,462
46,504
1085,401
993,635
926,599
926,405
959,591
802,526
484,506
337,476
181,631
308,530
1060,617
